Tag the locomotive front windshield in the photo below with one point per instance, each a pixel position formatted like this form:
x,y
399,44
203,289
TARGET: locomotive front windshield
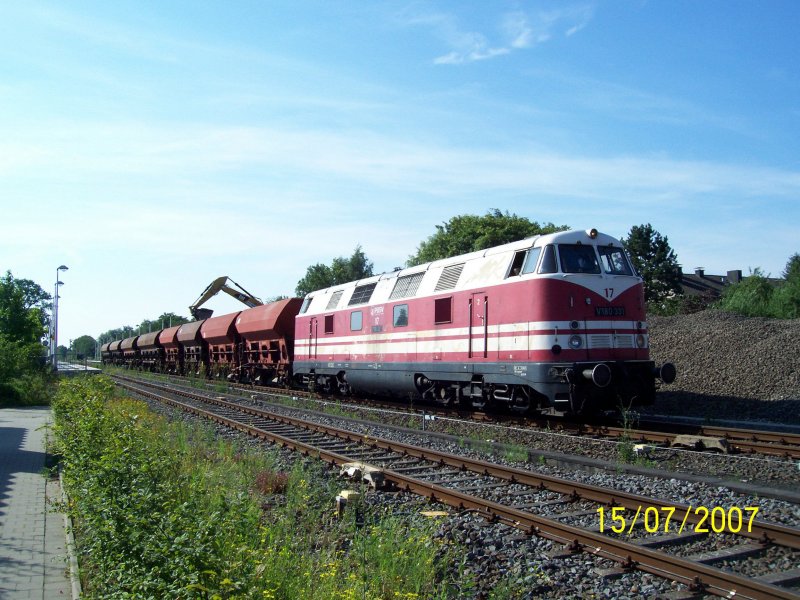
x,y
614,261
578,258
582,258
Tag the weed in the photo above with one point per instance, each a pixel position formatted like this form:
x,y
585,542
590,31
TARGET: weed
x,y
516,453
168,511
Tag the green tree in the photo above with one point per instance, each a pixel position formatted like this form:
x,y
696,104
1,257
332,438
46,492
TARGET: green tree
x,y
655,261
166,320
785,299
341,270
113,335
84,346
163,322
751,297
469,233
20,319
792,270
22,326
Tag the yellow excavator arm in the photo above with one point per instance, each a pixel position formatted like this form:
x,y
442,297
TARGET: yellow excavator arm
x,y
222,284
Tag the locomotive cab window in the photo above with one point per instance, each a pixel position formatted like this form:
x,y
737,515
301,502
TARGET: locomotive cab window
x,y
549,264
531,260
578,258
614,261
524,262
516,264
328,323
356,320
400,316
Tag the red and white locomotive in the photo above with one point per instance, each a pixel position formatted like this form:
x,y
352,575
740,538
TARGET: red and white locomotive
x,y
554,323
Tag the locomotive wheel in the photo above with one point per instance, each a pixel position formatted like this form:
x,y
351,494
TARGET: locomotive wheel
x,y
520,401
325,384
444,396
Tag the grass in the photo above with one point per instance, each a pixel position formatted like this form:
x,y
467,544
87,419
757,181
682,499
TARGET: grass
x,y
515,453
166,510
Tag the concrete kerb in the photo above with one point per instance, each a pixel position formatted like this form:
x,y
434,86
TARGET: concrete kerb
x,y
72,556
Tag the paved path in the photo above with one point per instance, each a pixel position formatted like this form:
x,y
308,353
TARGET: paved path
x,y
32,541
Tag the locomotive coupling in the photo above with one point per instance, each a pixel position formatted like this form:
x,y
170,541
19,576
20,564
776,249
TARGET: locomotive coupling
x,y
666,372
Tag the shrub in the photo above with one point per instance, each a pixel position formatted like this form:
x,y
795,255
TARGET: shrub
x,y
166,511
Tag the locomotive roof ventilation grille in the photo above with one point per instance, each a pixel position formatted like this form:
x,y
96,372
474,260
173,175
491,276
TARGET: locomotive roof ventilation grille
x,y
406,286
334,301
362,294
449,277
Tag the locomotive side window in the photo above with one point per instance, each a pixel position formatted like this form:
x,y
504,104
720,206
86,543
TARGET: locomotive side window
x,y
578,258
356,320
328,323
443,310
549,260
531,260
614,261
400,316
516,264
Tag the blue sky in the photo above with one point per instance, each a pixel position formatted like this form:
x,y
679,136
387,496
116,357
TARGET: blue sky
x,y
153,146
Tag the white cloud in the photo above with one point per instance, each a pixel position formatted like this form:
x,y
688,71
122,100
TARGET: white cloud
x,y
171,160
517,30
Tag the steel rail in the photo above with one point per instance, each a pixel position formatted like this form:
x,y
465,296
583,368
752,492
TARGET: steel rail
x,y
748,441
697,576
761,531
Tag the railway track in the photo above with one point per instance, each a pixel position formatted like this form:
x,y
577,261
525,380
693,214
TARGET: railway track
x,y
544,506
666,434
785,445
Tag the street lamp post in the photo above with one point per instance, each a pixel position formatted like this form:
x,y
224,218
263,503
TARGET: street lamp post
x,y
55,318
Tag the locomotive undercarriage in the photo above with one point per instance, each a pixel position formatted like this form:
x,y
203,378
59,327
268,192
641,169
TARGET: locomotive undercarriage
x,y
477,394
557,389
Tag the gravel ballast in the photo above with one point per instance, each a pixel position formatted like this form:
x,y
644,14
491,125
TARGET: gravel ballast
x,y
729,366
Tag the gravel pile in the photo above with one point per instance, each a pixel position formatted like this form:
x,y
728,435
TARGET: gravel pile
x,y
729,366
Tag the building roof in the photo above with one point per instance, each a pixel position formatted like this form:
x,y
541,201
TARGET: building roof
x,y
700,283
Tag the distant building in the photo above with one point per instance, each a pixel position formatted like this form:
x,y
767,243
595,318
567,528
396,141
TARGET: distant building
x,y
701,284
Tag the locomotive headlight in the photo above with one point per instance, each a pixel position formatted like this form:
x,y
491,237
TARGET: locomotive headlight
x,y
641,341
575,342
